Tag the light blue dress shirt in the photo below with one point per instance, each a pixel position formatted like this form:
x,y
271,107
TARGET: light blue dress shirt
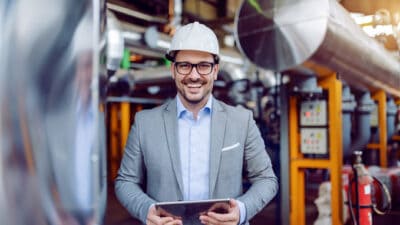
x,y
194,145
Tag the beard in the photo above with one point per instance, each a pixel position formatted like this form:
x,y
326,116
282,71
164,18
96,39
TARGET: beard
x,y
188,81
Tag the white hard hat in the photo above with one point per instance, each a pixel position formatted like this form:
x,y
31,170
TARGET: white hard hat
x,y
194,36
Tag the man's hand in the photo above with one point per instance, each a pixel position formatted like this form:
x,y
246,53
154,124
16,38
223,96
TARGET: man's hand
x,y
230,218
155,218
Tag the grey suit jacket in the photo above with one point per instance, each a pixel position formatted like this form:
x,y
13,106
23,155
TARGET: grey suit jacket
x,y
151,170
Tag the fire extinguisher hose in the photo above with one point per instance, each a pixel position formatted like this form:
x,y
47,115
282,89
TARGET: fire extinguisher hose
x,y
384,190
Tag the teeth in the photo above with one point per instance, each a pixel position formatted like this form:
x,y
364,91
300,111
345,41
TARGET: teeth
x,y
194,86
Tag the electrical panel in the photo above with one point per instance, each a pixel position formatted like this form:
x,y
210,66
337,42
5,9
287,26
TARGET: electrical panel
x,y
313,113
314,127
314,141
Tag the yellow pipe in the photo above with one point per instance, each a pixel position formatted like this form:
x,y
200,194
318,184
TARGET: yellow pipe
x,y
373,146
396,138
380,97
295,175
311,163
334,87
302,196
124,125
293,129
114,155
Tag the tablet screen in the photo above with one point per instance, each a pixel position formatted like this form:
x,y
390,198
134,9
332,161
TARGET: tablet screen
x,y
191,210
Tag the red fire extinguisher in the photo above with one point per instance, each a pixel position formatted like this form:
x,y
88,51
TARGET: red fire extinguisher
x,y
359,194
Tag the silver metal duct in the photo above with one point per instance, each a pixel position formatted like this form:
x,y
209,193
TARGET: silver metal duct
x,y
176,20
136,14
233,71
115,42
52,168
144,41
152,75
288,34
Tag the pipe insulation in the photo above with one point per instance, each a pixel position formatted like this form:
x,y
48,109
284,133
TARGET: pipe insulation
x,y
285,35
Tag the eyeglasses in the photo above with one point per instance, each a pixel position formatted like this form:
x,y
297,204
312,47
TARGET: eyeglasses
x,y
202,68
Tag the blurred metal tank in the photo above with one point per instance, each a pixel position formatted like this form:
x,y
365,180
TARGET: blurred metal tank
x,y
52,168
309,34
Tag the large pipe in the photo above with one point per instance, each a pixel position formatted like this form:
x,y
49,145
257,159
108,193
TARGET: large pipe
x,y
51,132
289,34
136,14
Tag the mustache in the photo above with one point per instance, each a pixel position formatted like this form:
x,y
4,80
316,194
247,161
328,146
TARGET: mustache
x,y
189,80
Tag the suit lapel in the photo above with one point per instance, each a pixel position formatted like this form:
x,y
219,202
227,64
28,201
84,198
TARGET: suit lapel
x,y
218,123
171,130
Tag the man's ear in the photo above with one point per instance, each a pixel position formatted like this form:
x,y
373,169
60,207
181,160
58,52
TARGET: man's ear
x,y
216,69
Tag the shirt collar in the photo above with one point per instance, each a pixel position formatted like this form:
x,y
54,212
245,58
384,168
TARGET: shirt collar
x,y
181,109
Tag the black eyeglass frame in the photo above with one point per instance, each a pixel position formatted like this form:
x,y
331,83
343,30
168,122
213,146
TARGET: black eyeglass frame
x,y
176,64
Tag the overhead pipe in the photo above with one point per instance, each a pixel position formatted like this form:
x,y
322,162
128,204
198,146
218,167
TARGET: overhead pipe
x,y
145,40
175,8
115,42
53,158
316,35
136,14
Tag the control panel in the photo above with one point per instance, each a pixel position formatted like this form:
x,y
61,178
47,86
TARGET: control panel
x,y
313,113
314,127
314,140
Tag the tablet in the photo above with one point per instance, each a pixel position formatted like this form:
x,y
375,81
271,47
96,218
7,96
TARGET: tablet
x,y
191,210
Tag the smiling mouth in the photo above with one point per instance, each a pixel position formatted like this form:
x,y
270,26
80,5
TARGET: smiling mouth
x,y
194,85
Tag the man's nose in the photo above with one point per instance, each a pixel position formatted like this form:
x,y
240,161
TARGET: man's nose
x,y
194,75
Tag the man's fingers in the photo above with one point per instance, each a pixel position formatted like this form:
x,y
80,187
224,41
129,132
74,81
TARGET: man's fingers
x,y
222,217
215,218
232,217
165,220
233,203
174,222
208,220
156,220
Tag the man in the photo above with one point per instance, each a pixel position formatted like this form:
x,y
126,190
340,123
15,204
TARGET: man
x,y
195,147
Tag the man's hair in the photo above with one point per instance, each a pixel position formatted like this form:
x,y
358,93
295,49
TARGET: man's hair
x,y
171,56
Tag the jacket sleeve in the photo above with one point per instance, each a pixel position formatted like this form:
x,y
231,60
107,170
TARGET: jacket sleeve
x,y
257,165
131,176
